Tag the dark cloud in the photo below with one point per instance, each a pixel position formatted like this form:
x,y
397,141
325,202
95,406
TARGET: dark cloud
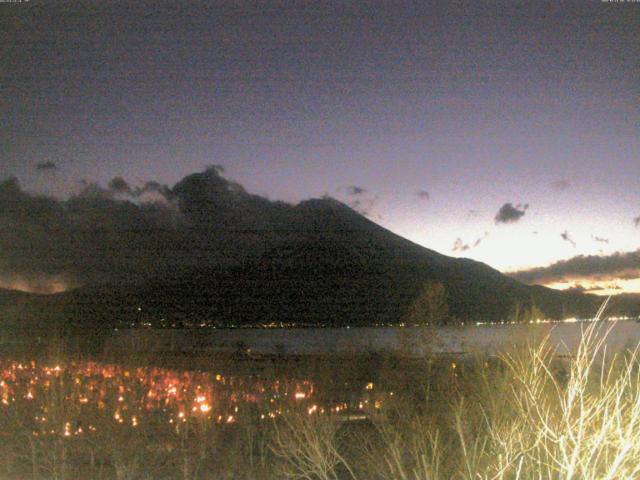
x,y
599,239
628,275
423,194
153,187
596,287
593,267
99,235
90,237
46,167
355,190
560,185
606,286
119,185
636,221
510,214
460,246
576,288
152,192
18,208
33,234
480,239
567,238
365,205
93,190
364,201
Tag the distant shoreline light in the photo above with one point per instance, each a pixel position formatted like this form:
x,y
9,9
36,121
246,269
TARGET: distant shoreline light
x,y
565,320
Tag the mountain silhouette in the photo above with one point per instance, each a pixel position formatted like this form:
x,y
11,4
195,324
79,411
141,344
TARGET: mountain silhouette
x,y
321,264
213,254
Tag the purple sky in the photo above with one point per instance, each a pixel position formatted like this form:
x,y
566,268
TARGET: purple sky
x,y
477,103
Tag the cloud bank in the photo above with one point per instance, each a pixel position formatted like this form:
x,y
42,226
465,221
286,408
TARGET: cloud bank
x,y
127,233
620,265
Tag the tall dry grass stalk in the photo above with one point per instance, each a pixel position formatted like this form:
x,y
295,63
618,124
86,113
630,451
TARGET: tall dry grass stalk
x,y
558,420
526,414
307,447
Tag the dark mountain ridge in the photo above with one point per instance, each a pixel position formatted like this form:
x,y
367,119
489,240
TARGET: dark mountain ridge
x,y
329,266
217,255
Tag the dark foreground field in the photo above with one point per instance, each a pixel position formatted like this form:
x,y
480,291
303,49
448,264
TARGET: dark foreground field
x,y
523,414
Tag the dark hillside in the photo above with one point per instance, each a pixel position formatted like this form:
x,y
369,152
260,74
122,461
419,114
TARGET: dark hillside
x,y
324,265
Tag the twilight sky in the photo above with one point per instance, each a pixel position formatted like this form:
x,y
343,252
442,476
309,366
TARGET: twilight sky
x,y
500,131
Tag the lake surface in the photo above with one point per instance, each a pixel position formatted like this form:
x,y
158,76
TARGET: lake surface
x,y
82,397
565,337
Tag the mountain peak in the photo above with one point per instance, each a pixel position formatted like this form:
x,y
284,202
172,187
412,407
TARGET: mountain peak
x,y
323,203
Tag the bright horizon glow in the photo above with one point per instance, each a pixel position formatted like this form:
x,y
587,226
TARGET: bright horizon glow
x,y
611,286
41,284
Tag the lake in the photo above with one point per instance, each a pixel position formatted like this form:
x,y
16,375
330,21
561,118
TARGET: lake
x,y
489,338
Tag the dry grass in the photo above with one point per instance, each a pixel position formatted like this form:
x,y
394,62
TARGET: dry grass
x,y
525,414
